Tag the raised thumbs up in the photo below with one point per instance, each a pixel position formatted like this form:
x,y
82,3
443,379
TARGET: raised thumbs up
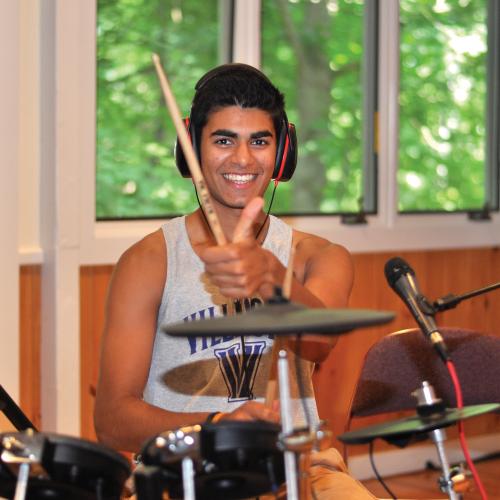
x,y
248,216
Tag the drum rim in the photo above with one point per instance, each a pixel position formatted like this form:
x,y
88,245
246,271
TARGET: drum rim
x,y
82,443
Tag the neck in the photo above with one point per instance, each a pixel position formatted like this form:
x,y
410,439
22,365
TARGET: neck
x,y
201,232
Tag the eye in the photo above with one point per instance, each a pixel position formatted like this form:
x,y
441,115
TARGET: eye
x,y
260,142
223,141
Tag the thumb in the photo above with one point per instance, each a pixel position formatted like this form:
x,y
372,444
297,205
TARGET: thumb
x,y
248,216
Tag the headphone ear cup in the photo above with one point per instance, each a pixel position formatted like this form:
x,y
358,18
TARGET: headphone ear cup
x,y
180,159
286,153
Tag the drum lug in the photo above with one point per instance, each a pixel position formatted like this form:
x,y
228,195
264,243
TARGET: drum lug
x,y
24,448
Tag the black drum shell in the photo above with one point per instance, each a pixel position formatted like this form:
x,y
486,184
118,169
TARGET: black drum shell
x,y
77,469
237,460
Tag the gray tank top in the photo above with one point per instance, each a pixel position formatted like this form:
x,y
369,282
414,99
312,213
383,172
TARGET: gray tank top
x,y
205,373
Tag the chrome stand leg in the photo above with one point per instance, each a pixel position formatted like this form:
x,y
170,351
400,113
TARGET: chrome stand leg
x,y
287,426
188,478
446,483
22,481
428,403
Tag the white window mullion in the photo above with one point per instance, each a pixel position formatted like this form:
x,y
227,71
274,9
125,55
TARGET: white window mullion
x,y
246,36
388,110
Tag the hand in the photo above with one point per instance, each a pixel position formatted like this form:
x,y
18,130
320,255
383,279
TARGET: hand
x,y
242,268
253,410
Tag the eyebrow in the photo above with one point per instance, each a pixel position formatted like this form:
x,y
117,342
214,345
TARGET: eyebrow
x,y
230,133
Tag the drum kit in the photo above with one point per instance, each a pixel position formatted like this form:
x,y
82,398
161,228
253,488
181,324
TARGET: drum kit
x,y
226,460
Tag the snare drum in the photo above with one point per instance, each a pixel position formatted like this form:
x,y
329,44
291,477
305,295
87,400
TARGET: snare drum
x,y
61,467
232,460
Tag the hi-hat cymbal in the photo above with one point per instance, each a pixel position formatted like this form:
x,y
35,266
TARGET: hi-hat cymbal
x,y
401,431
287,318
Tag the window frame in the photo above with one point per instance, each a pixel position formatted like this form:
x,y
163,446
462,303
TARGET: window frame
x,y
493,108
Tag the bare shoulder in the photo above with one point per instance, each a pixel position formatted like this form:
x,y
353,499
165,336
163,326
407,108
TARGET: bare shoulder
x,y
144,263
313,250
148,251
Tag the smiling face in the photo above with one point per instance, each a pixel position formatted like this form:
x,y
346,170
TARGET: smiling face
x,y
238,150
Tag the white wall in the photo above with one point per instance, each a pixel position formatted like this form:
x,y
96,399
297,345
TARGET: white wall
x,y
9,161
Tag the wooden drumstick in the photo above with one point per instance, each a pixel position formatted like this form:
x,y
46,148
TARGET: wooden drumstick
x,y
189,154
272,383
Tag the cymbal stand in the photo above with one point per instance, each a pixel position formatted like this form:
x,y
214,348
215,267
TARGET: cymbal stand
x,y
297,444
452,480
188,478
287,425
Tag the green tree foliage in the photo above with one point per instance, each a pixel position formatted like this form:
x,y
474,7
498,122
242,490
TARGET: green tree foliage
x,y
442,105
314,52
136,172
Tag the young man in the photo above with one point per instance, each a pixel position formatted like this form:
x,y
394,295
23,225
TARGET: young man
x,y
150,382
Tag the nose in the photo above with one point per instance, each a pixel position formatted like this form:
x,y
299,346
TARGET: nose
x,y
242,154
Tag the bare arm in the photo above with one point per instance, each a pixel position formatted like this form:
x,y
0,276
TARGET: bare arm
x,y
122,419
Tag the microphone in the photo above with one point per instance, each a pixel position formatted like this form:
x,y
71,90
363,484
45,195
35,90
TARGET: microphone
x,y
401,278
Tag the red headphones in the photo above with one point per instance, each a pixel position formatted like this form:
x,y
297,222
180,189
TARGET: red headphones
x,y
286,147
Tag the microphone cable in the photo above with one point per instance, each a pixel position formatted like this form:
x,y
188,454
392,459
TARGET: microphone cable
x,y
376,472
461,432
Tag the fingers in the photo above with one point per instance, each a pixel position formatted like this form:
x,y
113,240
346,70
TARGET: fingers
x,y
252,410
248,216
241,268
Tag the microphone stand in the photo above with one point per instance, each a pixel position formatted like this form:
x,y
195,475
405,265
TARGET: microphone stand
x,y
450,301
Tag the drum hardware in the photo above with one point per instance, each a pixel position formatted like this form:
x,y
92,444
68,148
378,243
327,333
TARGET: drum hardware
x,y
36,466
297,444
229,459
427,403
402,432
278,317
431,417
292,484
23,453
169,447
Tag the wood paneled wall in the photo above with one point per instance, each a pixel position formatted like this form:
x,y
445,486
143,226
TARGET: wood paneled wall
x,y
439,273
29,326
94,282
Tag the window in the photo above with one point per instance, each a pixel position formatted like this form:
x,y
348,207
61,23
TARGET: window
x,y
443,95
315,52
136,172
324,55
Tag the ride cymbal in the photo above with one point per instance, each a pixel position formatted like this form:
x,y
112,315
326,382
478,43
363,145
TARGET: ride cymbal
x,y
401,431
282,319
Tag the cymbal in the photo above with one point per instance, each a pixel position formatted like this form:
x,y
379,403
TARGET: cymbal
x,y
281,318
400,431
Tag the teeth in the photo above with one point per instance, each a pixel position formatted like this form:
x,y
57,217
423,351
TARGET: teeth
x,y
239,178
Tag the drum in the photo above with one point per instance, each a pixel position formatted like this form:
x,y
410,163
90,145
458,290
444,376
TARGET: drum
x,y
232,460
61,467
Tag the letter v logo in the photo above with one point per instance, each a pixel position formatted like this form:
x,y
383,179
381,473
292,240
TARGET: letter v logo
x,y
239,379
